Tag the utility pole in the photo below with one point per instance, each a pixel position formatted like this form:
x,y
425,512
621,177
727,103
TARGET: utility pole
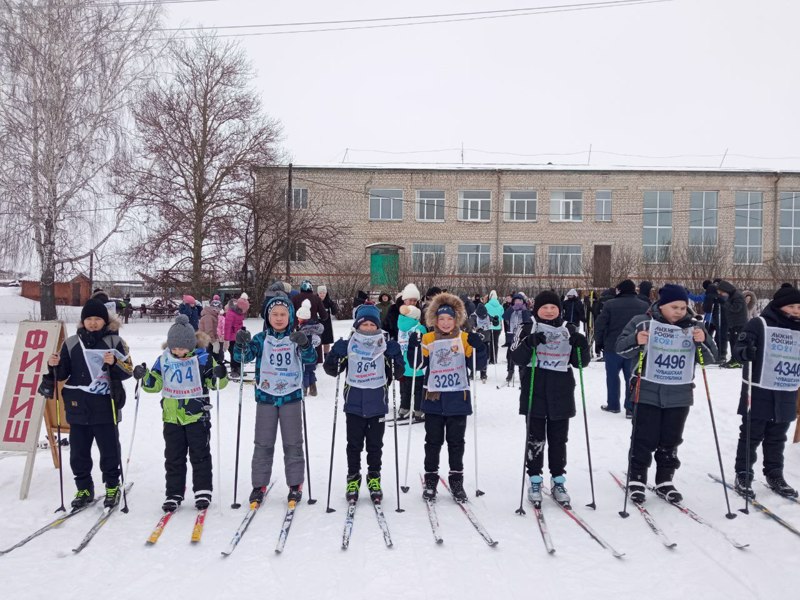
x,y
289,201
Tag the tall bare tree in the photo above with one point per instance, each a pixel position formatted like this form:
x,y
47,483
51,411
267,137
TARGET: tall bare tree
x,y
68,69
200,129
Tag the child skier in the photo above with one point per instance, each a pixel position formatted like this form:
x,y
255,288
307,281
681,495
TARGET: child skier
x,y
184,374
665,340
408,322
771,346
313,330
516,314
370,362
279,354
556,344
93,362
481,323
447,357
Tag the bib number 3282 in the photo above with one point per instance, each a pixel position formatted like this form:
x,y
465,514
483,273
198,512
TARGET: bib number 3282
x,y
449,380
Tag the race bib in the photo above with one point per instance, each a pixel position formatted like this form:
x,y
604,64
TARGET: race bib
x,y
365,365
181,377
484,323
553,355
101,380
780,367
402,339
447,366
281,371
670,354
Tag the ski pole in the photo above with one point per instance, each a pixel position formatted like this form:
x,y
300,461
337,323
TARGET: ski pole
x,y
219,450
124,508
729,514
405,487
624,512
135,418
61,508
494,353
333,437
749,475
592,504
396,457
520,510
305,435
478,491
238,435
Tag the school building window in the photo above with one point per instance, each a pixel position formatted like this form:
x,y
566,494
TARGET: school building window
x,y
519,259
299,198
702,224
566,206
747,232
427,258
564,260
386,205
473,258
657,231
430,205
602,205
474,205
298,252
789,230
520,205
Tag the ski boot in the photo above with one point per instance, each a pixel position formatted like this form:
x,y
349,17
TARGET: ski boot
x,y
636,492
257,495
667,491
402,414
112,496
431,481
484,377
172,502
778,485
295,493
419,417
535,491
82,498
312,389
743,484
374,486
456,480
353,485
559,491
202,500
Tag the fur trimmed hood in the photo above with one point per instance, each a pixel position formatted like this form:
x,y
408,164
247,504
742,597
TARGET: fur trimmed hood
x,y
440,300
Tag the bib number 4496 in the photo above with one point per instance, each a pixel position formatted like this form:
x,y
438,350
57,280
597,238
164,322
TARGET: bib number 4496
x,y
670,361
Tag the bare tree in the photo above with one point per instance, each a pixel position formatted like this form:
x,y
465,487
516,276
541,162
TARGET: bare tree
x,y
199,131
68,70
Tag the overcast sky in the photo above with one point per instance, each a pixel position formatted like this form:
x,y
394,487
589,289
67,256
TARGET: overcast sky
x,y
684,77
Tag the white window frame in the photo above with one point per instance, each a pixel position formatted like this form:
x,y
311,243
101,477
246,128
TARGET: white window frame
x,y
789,206
510,206
519,257
295,255
605,215
381,195
558,253
483,254
699,216
749,206
426,204
299,198
663,226
468,206
563,209
427,256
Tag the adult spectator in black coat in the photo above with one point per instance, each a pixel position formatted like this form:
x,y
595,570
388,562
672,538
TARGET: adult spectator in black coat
x,y
734,311
326,339
645,287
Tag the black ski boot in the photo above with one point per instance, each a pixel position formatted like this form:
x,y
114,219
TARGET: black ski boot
x,y
778,485
636,492
171,503
295,493
202,500
431,481
668,492
82,498
456,480
374,486
744,485
257,495
112,496
353,485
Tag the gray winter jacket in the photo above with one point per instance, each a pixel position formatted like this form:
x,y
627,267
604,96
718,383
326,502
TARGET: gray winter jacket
x,y
656,394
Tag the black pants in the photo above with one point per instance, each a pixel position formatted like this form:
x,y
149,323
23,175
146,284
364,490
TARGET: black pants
x,y
235,365
359,432
405,392
495,344
439,429
773,437
510,363
194,439
80,454
555,434
658,430
733,335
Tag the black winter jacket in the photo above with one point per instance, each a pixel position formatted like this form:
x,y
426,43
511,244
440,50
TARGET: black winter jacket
x,y
617,312
573,311
735,307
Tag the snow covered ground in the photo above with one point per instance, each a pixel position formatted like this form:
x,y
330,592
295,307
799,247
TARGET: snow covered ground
x,y
118,563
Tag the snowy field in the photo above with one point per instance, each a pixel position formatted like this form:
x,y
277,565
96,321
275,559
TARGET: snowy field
x,y
117,562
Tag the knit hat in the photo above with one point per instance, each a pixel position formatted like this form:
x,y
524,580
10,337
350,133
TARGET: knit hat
x,y
94,308
279,301
433,291
410,292
287,287
321,289
216,303
181,334
572,293
672,293
100,294
481,311
187,299
785,296
546,297
244,295
304,312
306,286
446,309
367,312
627,286
215,298
645,287
243,304
411,311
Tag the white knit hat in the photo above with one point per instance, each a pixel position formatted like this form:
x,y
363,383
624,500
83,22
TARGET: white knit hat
x,y
409,292
245,296
492,295
321,289
304,312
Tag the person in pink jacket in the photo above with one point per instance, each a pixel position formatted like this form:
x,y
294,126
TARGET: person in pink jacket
x,y
234,321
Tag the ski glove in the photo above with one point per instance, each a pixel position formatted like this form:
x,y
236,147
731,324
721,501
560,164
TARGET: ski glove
x,y
301,339
537,338
340,348
47,387
139,371
750,351
495,321
474,339
219,371
393,349
243,337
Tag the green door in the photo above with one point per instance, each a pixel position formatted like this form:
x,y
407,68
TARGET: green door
x,y
384,268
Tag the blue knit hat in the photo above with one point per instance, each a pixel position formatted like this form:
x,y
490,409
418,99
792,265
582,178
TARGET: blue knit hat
x,y
306,286
367,312
672,293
